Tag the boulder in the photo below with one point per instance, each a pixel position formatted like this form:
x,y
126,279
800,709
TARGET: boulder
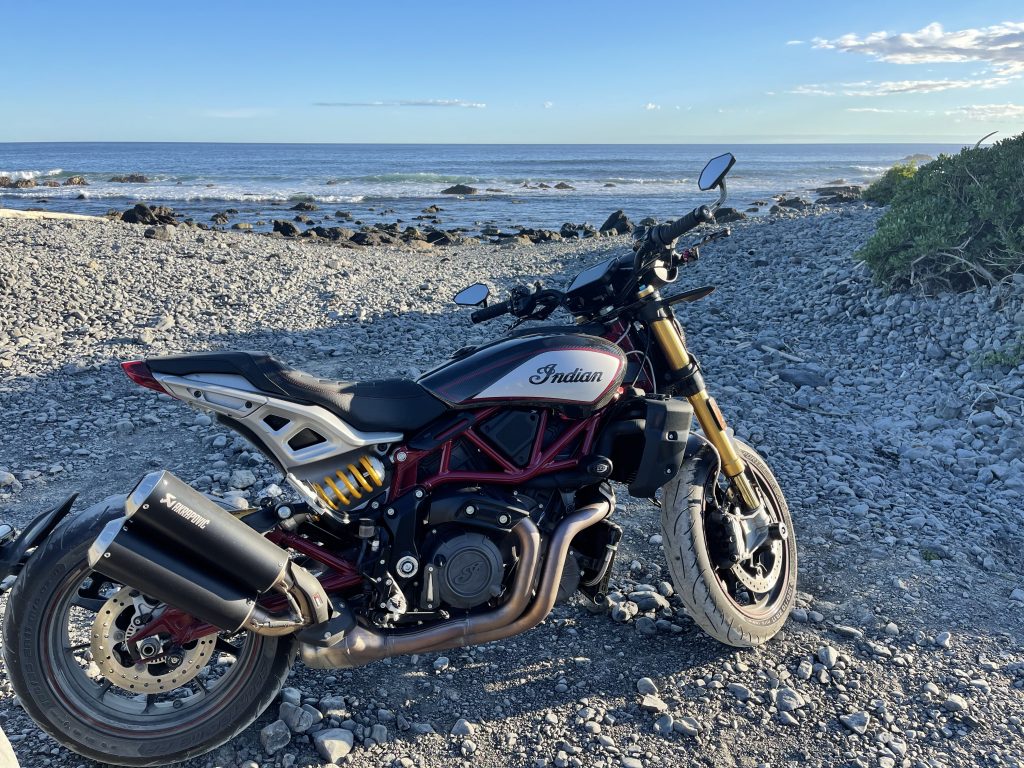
x,y
286,228
332,233
140,214
51,183
839,198
796,203
433,209
803,377
131,178
440,238
460,189
219,218
569,231
618,223
243,225
23,184
727,215
160,232
304,206
563,185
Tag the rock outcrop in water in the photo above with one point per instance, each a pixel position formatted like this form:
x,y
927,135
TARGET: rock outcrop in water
x,y
460,189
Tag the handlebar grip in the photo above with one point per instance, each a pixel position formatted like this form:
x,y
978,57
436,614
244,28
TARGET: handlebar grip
x,y
666,234
489,313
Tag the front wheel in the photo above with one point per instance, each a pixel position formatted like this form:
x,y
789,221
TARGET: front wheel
x,y
742,603
63,646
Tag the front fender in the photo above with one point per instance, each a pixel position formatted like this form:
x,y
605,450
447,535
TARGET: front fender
x,y
701,462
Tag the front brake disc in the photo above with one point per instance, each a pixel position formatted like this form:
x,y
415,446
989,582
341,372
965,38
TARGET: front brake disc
x,y
757,582
113,625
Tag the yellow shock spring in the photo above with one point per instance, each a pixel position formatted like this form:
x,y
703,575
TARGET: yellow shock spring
x,y
355,480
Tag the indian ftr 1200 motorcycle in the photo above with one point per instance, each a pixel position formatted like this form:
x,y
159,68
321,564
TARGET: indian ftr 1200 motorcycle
x,y
443,512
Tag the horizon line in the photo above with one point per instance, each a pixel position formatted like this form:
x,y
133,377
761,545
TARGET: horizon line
x,y
944,140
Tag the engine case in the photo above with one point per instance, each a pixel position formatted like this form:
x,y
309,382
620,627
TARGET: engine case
x,y
465,571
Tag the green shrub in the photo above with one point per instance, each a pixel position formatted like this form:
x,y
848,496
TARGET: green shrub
x,y
956,223
881,192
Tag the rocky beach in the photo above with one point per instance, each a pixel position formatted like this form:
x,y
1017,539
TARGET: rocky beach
x,y
894,422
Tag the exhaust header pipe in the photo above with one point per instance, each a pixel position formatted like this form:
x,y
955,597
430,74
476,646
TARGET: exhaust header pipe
x,y
181,548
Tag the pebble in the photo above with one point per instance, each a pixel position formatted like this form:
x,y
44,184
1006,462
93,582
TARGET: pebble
x,y
646,686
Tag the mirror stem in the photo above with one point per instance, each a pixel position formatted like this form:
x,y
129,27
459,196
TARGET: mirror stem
x,y
721,196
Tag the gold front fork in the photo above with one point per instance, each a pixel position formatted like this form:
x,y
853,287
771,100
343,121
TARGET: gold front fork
x,y
710,418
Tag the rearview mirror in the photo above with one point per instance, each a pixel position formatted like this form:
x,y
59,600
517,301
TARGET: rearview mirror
x,y
714,172
473,296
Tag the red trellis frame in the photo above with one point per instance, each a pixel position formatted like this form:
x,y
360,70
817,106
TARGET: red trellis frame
x,y
542,461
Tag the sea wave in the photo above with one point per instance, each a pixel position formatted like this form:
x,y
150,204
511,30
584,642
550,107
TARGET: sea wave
x,y
18,175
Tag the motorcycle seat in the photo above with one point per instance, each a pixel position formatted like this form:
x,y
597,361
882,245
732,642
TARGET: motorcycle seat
x,y
384,405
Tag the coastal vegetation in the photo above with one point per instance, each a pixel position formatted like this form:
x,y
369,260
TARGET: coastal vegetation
x,y
955,223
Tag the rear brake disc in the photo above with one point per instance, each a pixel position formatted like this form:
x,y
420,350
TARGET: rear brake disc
x,y
163,672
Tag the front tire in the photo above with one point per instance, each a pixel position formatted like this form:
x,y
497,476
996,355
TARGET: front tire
x,y
46,636
719,598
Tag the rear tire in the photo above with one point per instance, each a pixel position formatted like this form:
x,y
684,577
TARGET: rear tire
x,y
60,690
707,589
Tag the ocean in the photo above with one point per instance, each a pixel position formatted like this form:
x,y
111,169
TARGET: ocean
x,y
380,183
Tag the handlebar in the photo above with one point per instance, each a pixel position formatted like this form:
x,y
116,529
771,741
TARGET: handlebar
x,y
491,312
666,234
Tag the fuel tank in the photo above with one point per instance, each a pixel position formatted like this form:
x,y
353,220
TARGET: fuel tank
x,y
553,369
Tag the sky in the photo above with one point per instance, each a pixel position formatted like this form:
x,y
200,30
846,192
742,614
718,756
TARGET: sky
x,y
493,71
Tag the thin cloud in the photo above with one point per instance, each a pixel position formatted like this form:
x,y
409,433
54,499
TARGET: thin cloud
x,y
1000,47
794,42
405,103
812,90
894,87
242,113
650,106
988,112
548,104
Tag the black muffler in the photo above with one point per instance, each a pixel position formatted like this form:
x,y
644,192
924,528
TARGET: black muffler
x,y
179,547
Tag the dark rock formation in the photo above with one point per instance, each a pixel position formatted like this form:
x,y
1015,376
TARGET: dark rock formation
x,y
618,223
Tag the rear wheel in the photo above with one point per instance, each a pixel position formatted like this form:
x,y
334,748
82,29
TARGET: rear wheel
x,y
742,603
63,646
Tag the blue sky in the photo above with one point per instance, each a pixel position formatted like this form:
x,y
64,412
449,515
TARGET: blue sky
x,y
487,71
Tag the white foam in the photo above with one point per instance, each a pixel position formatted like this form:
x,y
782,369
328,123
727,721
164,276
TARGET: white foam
x,y
18,175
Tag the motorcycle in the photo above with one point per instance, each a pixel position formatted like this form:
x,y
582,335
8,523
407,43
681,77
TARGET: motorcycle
x,y
444,512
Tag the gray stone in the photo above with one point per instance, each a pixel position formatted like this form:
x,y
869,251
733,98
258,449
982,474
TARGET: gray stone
x,y
298,719
334,743
651,703
828,656
788,700
275,737
740,691
955,703
856,721
646,686
463,727
688,726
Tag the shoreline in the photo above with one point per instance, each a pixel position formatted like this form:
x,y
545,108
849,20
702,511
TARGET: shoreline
x,y
307,220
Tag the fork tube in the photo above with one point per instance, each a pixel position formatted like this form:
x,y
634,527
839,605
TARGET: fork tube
x,y
709,416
